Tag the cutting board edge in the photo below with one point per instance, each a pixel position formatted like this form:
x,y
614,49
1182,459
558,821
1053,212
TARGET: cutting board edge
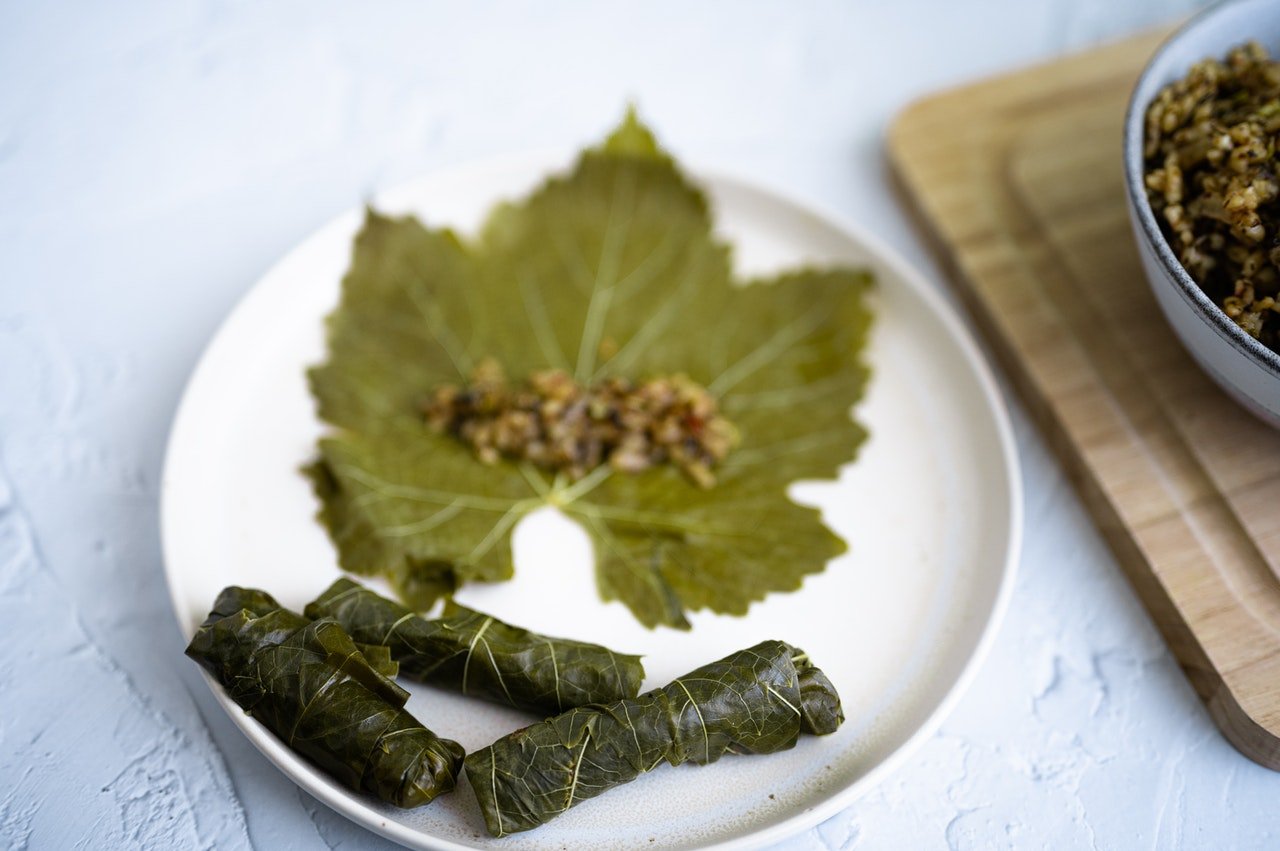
x,y
1248,733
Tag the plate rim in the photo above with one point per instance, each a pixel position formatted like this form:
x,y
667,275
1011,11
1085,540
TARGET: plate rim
x,y
545,162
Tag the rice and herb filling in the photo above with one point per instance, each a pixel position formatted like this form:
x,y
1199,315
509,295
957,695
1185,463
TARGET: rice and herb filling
x,y
559,424
1211,177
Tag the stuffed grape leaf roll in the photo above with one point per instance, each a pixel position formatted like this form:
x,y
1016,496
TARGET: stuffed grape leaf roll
x,y
480,655
311,685
757,700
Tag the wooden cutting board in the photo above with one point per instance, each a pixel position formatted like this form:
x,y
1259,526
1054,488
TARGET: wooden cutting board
x,y
1019,180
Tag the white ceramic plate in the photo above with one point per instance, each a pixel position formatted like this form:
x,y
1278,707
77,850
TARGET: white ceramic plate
x,y
931,509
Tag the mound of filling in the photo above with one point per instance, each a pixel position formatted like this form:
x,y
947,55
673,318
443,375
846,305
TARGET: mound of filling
x,y
556,423
1211,176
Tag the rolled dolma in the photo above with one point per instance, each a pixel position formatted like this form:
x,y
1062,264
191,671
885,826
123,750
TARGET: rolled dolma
x,y
311,685
480,655
758,700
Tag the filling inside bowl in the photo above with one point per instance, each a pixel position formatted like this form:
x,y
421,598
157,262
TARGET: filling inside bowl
x,y
1211,177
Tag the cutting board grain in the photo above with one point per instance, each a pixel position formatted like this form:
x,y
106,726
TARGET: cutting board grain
x,y
1019,181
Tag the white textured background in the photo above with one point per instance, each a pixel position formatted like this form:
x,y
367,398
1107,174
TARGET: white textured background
x,y
157,157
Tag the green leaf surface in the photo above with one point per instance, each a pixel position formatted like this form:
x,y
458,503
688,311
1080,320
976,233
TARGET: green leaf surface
x,y
312,686
477,654
609,270
755,701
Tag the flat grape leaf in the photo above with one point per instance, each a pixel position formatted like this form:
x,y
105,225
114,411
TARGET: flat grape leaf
x,y
611,269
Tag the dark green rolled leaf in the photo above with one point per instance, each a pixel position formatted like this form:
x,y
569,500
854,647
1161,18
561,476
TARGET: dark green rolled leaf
x,y
480,655
373,665
756,701
310,684
379,658
820,712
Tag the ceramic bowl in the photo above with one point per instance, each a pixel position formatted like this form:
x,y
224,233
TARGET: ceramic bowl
x,y
1243,367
